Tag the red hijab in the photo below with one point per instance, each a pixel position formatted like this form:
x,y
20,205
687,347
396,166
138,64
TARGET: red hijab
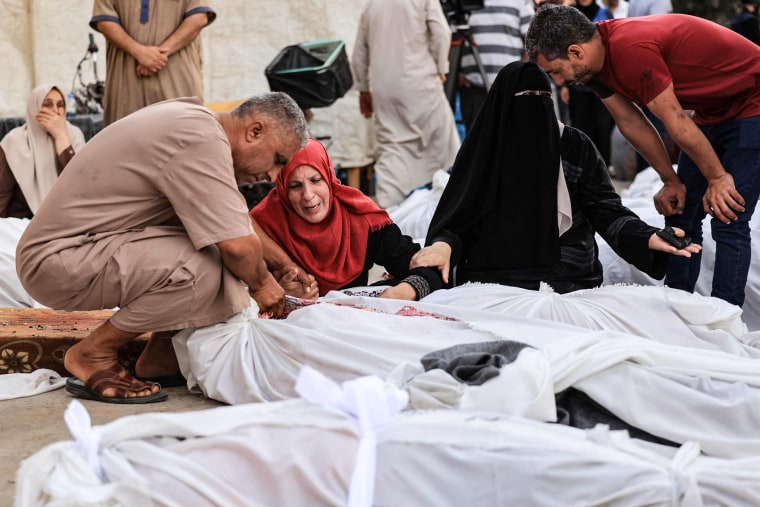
x,y
334,250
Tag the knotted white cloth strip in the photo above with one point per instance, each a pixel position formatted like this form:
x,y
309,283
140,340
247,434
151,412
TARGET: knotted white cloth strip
x,y
371,403
86,441
686,482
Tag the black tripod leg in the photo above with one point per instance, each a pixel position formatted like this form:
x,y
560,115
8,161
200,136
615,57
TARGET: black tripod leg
x,y
455,62
479,63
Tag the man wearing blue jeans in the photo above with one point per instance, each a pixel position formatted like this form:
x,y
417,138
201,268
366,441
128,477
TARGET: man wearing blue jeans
x,y
737,142
673,63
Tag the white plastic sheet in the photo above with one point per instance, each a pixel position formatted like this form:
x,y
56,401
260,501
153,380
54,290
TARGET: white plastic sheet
x,y
413,215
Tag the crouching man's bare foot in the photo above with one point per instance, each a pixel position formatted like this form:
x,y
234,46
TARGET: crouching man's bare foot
x,y
97,373
158,361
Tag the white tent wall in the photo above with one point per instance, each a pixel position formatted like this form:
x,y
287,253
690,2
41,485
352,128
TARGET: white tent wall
x,y
43,40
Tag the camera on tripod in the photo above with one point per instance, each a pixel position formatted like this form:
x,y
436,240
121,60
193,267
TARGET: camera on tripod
x,y
459,10
87,98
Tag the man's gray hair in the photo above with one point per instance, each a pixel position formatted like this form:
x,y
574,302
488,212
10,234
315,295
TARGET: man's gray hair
x,y
554,28
279,107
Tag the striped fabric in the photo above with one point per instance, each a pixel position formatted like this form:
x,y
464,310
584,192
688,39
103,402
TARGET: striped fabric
x,y
498,30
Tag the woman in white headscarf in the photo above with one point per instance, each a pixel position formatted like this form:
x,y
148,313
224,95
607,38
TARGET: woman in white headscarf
x,y
34,154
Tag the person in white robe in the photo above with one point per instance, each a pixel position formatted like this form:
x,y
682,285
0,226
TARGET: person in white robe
x,y
400,59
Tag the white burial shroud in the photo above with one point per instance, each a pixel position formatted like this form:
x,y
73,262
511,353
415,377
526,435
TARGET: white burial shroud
x,y
679,393
296,453
660,313
12,293
639,198
413,217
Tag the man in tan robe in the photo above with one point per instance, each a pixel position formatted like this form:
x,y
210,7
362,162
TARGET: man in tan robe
x,y
153,52
400,59
148,218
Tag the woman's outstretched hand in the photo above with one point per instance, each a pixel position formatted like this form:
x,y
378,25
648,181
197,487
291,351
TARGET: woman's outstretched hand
x,y
437,255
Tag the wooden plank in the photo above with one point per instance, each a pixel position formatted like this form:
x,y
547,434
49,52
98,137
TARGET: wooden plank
x,y
24,323
34,338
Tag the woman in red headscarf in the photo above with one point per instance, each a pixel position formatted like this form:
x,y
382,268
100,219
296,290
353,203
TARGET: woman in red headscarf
x,y
334,232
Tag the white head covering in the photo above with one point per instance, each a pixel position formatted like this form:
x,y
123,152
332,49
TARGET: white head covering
x,y
30,151
564,206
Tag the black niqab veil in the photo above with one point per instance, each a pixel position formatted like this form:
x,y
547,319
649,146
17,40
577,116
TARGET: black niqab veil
x,y
501,198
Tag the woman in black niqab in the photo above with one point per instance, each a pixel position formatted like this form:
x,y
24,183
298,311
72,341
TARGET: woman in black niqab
x,y
526,197
503,185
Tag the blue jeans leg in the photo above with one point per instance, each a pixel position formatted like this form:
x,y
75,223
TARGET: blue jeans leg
x,y
737,144
682,272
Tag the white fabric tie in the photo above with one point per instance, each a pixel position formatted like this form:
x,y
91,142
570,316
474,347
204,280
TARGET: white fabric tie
x,y
687,484
372,403
87,442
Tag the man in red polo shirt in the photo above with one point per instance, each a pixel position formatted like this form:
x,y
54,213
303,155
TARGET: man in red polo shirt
x,y
702,81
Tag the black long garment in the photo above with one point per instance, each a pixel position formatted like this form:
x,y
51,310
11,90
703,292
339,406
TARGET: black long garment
x,y
747,24
596,207
499,209
389,248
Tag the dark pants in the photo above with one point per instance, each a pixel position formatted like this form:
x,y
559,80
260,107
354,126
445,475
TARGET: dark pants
x,y
670,146
588,114
471,98
737,144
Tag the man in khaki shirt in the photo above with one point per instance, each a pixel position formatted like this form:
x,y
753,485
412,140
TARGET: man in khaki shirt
x,y
148,218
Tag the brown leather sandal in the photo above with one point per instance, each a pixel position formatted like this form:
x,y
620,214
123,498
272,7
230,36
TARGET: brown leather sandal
x,y
117,378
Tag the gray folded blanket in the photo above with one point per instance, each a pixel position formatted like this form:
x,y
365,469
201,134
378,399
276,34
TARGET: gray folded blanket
x,y
475,363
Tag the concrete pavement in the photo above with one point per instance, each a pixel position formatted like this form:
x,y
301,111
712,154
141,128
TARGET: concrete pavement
x,y
29,424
